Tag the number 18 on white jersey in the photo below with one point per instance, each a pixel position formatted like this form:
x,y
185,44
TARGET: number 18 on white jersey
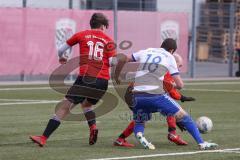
x,y
154,64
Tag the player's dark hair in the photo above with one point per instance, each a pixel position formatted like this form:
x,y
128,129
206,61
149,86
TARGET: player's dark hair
x,y
97,20
169,44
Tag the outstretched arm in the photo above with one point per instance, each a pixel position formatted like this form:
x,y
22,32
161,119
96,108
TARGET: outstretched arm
x,y
62,54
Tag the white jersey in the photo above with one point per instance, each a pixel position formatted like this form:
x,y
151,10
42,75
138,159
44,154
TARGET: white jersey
x,y
154,64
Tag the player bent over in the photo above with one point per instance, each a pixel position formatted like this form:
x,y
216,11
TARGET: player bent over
x,y
149,96
171,121
95,59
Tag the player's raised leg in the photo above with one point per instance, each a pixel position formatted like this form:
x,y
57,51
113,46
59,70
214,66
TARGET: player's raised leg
x,y
63,109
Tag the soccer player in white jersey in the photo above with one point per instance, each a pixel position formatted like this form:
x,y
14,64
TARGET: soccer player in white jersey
x,y
150,97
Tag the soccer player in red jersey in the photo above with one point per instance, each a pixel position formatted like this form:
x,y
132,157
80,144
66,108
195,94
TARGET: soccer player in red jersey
x,y
171,121
95,60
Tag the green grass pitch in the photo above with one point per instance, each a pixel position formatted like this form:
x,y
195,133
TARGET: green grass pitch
x,y
219,100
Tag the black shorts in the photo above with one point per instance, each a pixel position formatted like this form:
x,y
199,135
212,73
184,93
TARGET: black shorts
x,y
89,88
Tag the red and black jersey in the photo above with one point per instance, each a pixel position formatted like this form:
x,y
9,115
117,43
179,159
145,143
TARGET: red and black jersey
x,y
95,50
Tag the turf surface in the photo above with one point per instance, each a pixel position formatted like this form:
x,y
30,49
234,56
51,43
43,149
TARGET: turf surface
x,y
220,102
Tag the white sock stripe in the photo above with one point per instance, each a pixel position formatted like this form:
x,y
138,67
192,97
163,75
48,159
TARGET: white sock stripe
x,y
56,118
85,110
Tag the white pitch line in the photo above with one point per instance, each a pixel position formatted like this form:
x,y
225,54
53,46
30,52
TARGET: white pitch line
x,y
110,86
170,154
187,84
232,149
36,102
20,89
213,90
237,152
45,88
209,83
22,100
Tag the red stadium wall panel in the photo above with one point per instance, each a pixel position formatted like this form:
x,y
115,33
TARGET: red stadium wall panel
x,y
29,36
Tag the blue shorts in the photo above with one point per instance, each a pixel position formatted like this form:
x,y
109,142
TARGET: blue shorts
x,y
146,104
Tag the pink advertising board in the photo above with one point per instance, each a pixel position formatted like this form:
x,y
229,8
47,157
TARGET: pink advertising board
x,y
148,29
28,36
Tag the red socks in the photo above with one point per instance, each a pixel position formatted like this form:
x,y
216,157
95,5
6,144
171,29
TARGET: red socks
x,y
171,121
92,127
128,131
